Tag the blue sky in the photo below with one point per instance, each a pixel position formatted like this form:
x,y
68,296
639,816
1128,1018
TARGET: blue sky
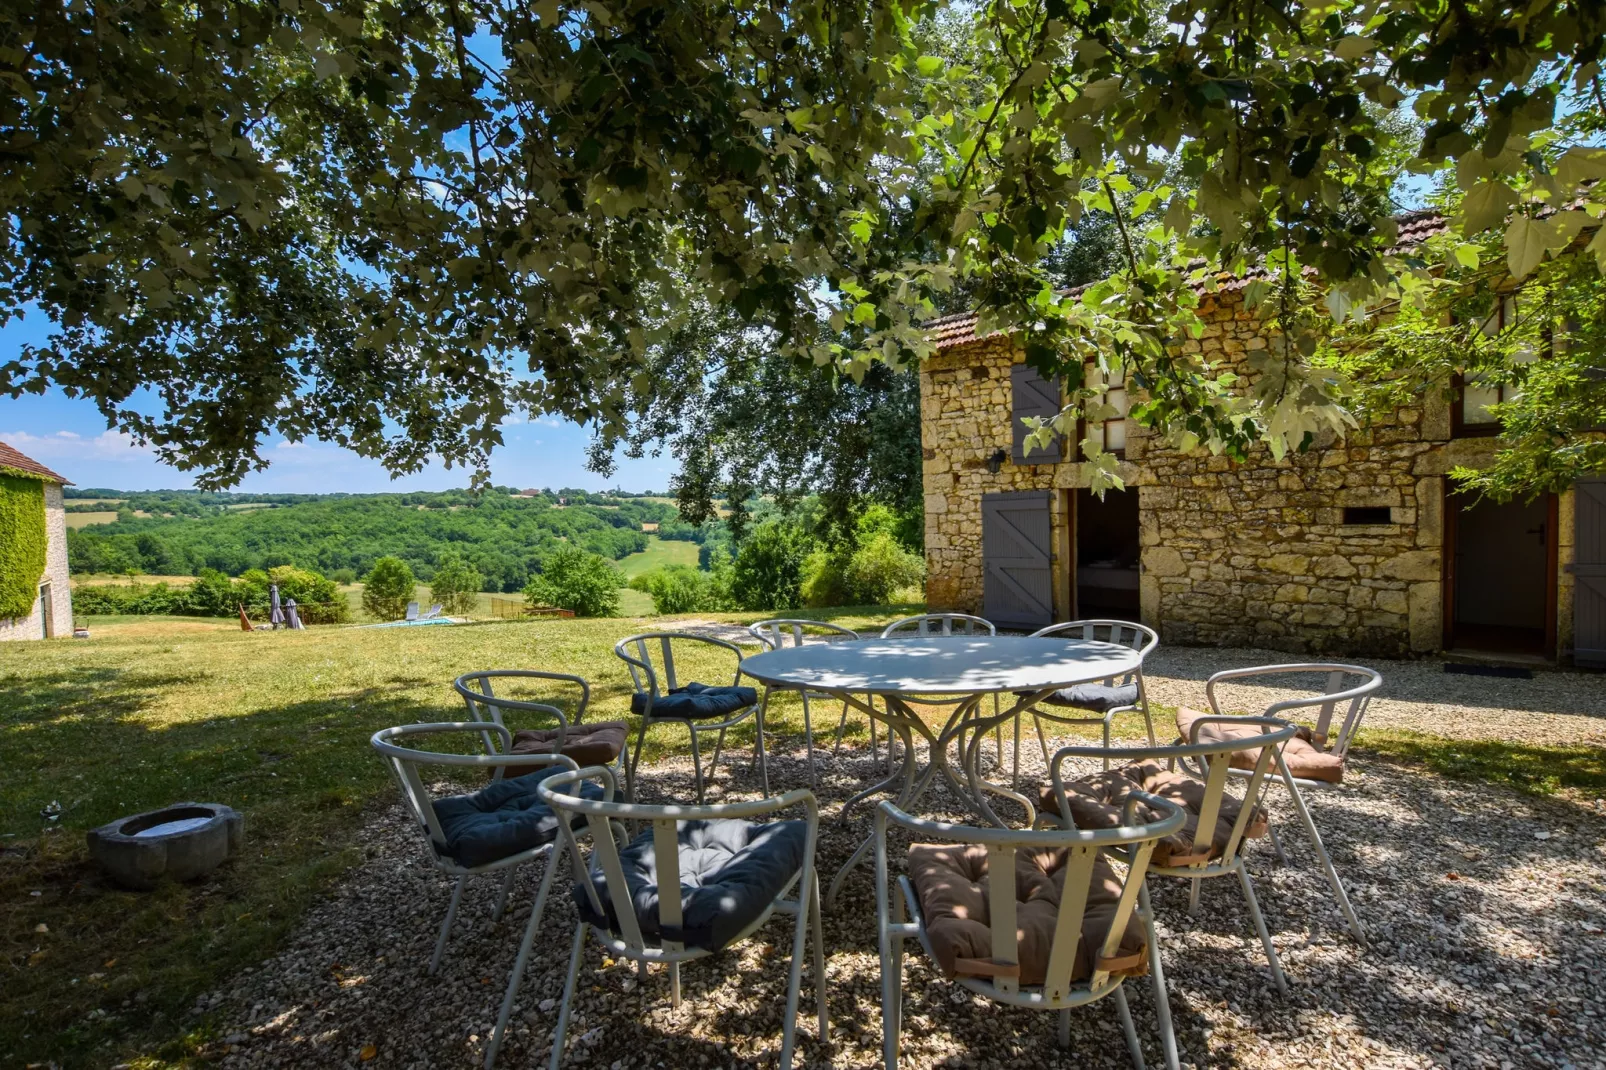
x,y
70,436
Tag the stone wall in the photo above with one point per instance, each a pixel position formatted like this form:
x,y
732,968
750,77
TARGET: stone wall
x,y
1254,553
56,574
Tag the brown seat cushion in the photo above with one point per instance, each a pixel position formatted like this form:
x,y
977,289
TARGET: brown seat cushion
x,y
1096,802
1304,757
599,743
950,881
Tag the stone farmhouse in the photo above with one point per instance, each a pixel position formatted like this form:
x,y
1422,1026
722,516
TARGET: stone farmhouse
x,y
1355,547
52,609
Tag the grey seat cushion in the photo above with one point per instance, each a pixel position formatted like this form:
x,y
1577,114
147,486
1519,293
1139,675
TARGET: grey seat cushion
x,y
1098,698
501,819
730,873
696,701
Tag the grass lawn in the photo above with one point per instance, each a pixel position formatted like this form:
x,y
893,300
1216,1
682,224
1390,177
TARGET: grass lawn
x,y
84,520
659,552
156,710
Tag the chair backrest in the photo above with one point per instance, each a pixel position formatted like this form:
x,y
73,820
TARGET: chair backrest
x,y
1083,847
775,633
1212,762
484,704
412,611
434,610
561,792
1139,637
650,658
405,763
940,624
1346,688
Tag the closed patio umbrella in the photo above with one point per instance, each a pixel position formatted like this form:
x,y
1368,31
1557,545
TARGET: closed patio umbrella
x,y
294,619
276,615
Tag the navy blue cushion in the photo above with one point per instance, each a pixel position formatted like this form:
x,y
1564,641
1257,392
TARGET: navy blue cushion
x,y
501,819
696,701
730,873
1099,698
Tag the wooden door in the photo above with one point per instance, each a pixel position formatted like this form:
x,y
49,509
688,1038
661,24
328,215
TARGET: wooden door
x,y
1589,571
1032,395
1017,559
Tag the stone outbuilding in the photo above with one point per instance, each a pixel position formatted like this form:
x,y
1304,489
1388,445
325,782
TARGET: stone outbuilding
x,y
51,613
1354,547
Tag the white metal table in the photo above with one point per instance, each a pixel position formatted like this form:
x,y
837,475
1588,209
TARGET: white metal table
x,y
938,670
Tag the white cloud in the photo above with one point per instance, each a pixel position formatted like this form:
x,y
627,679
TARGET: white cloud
x,y
286,444
69,445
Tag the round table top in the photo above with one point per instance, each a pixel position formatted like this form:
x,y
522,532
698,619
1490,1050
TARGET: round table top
x,y
941,664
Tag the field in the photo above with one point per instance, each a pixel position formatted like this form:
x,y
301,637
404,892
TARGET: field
x,y
81,579
659,552
152,710
84,520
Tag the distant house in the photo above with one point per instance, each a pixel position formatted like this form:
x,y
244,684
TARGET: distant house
x,y
51,611
649,526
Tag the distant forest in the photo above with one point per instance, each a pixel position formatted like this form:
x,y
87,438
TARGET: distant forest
x,y
504,535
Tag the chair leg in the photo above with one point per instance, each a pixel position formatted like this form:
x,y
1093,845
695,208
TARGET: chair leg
x,y
1162,999
1014,775
1041,741
841,730
719,745
501,899
696,766
1127,1027
892,987
1321,852
568,994
1260,928
820,981
674,985
1106,742
794,972
446,925
523,958
808,742
1193,896
1062,1035
635,762
1276,844
758,747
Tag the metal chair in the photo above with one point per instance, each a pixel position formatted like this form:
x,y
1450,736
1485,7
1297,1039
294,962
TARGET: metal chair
x,y
1207,852
1315,757
1110,697
654,684
405,763
1072,976
779,633
623,915
597,743
940,624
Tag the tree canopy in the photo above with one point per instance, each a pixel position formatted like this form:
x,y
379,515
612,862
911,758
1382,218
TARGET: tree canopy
x,y
390,226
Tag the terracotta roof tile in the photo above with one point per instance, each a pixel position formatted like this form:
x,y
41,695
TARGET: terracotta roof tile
x,y
1415,228
18,462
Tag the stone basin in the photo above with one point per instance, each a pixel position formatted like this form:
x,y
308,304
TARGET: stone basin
x,y
183,841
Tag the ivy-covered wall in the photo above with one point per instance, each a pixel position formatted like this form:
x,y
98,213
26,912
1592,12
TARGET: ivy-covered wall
x,y
22,543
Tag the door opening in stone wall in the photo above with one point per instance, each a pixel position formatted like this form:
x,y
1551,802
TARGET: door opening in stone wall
x,y
46,623
1106,574
1501,583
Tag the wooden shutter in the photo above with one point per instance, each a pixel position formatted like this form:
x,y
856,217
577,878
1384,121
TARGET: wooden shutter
x,y
1017,569
1032,395
1589,571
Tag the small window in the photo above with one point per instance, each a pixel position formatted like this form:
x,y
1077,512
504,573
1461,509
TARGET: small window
x,y
1473,397
1367,514
1111,433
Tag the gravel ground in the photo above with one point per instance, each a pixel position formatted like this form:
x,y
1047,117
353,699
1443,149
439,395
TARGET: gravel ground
x,y
1486,911
1552,708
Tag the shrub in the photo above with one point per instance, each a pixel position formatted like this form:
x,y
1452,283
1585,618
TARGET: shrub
x,y
824,579
344,576
455,584
387,589
768,571
212,595
571,578
879,568
318,600
680,589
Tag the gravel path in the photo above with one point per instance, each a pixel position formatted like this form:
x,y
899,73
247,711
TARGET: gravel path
x,y
1552,708
1486,911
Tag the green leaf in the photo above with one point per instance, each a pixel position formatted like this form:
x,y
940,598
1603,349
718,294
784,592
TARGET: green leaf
x,y
1467,255
1353,48
864,312
929,65
1526,243
1485,205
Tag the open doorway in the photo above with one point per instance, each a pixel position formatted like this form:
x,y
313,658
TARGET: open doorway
x,y
1106,576
1500,560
